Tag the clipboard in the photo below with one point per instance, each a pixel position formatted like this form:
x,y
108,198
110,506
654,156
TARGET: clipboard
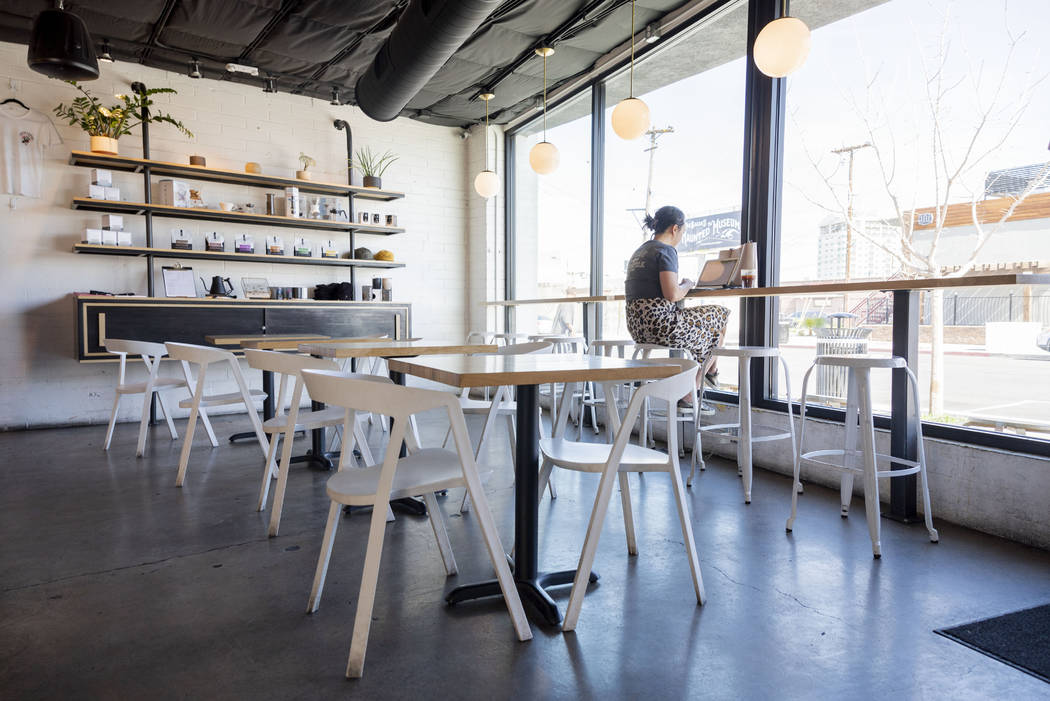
x,y
178,281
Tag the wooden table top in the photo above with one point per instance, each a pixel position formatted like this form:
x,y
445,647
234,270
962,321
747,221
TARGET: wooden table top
x,y
391,349
828,288
534,369
243,340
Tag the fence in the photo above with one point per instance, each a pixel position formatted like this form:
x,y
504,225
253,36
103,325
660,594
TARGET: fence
x,y
960,310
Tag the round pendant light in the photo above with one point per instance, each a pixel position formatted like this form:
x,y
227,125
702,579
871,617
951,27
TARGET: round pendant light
x,y
486,183
544,157
630,118
782,46
60,46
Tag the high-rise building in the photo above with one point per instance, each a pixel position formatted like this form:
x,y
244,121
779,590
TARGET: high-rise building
x,y
868,260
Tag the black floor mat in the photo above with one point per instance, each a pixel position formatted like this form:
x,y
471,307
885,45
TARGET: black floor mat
x,y
1020,639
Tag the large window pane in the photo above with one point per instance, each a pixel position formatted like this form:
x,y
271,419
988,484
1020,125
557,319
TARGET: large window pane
x,y
693,159
552,219
912,130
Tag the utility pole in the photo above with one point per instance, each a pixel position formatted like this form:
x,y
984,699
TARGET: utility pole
x,y
851,150
654,134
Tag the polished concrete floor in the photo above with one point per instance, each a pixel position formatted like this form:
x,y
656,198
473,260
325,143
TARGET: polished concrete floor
x,y
117,585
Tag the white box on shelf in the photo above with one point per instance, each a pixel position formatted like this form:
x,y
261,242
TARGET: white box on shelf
x,y
123,238
97,192
93,236
112,194
113,221
173,193
100,176
109,238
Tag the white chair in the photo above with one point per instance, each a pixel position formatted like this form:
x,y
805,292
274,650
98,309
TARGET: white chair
x,y
198,403
860,444
743,431
151,354
683,415
614,462
590,398
423,472
287,367
501,404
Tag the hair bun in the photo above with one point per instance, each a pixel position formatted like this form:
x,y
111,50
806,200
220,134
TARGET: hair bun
x,y
649,222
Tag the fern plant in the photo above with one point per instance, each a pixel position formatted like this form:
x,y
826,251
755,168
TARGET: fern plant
x,y
370,163
88,112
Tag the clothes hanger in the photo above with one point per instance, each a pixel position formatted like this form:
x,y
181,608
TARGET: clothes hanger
x,y
16,101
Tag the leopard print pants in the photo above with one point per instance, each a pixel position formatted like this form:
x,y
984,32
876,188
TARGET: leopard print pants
x,y
697,329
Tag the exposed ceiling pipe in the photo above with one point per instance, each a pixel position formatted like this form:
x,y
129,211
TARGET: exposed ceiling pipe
x,y
425,37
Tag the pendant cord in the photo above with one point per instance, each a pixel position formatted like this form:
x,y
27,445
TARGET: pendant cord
x,y
631,90
544,97
486,134
783,8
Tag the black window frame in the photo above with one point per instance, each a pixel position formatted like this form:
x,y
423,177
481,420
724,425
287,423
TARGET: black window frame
x,y
763,160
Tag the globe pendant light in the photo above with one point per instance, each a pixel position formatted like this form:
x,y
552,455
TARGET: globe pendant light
x,y
782,46
630,118
544,157
486,183
60,46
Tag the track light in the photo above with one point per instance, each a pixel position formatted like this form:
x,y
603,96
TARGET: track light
x,y
195,69
335,97
105,56
652,33
270,86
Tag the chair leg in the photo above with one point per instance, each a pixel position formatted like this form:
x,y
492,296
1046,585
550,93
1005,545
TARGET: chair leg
x,y
796,482
267,475
112,422
167,416
437,522
334,513
282,480
850,443
366,597
871,480
687,536
628,513
590,548
927,512
144,420
546,467
207,427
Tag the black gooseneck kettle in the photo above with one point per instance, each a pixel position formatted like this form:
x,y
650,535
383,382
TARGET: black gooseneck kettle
x,y
220,286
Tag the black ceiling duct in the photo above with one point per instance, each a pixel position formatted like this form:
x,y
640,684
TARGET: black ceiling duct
x,y
426,36
60,46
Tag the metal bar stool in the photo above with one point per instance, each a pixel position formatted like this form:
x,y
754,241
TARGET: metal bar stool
x,y
743,432
861,444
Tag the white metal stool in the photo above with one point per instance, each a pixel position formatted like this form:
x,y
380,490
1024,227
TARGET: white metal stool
x,y
590,397
743,432
858,406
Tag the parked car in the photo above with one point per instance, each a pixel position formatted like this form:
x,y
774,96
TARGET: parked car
x,y
1043,339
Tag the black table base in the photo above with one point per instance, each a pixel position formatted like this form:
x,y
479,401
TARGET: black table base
x,y
530,582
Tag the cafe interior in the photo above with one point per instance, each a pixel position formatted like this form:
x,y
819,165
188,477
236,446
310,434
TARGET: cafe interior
x,y
536,348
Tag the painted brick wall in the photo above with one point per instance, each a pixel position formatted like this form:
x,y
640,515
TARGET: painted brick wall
x,y
40,382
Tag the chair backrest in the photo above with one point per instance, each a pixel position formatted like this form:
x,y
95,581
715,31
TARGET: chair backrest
x,y
669,389
609,348
202,355
373,394
120,345
286,363
525,348
564,344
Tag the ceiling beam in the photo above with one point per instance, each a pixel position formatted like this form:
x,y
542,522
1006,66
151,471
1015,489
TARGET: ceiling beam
x,y
158,27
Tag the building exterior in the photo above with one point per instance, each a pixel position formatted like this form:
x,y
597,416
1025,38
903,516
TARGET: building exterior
x,y
868,260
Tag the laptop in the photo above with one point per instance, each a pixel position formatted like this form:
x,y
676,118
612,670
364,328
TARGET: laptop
x,y
717,274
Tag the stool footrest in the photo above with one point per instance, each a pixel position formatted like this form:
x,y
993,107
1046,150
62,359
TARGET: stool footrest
x,y
759,432
913,466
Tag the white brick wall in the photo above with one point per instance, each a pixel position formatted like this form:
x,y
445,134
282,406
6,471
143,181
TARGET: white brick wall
x,y
41,383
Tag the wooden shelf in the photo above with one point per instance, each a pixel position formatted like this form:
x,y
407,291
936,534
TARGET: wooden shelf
x,y
135,165
139,251
200,214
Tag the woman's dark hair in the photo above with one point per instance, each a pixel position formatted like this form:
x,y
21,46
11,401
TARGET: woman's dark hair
x,y
664,219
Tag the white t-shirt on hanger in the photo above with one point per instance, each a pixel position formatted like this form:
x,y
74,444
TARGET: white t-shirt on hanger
x,y
24,137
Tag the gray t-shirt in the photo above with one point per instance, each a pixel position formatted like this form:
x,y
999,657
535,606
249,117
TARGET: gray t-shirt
x,y
644,268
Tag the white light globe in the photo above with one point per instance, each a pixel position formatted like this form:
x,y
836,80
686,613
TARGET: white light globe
x,y
544,158
486,183
782,47
630,118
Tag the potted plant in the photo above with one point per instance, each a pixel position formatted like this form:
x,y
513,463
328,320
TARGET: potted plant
x,y
372,166
107,124
306,162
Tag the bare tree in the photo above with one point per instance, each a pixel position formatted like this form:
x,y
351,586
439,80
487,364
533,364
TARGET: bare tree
x,y
954,154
